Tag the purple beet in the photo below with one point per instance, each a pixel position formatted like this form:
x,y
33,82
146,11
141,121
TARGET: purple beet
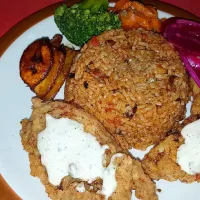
x,y
185,36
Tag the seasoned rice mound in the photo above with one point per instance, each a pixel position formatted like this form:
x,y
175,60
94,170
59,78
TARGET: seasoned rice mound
x,y
133,82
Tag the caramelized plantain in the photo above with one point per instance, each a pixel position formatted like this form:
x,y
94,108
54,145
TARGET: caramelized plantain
x,y
44,66
62,76
36,62
59,55
56,40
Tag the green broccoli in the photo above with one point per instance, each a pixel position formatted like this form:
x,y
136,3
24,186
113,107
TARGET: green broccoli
x,y
93,5
81,21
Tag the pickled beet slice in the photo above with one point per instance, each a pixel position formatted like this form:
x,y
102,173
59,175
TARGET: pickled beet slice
x,y
185,36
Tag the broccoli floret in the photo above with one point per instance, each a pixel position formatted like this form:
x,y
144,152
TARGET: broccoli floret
x,y
80,22
93,5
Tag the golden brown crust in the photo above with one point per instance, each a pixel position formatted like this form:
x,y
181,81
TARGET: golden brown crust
x,y
66,190
195,110
142,181
70,54
44,87
123,177
60,109
160,162
194,87
36,62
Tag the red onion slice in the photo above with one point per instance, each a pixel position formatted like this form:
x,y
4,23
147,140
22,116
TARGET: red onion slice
x,y
185,36
195,74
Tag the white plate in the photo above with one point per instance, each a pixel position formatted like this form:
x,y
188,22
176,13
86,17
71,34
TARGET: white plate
x,y
16,105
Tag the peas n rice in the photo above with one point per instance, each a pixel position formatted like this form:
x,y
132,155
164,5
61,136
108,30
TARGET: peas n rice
x,y
133,82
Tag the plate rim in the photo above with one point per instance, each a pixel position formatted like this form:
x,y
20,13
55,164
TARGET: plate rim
x,y
17,30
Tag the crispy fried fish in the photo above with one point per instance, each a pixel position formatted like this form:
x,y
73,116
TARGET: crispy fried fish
x,y
129,173
160,162
194,87
195,110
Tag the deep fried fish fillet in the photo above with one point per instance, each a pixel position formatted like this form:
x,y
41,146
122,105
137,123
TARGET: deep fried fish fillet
x,y
194,87
160,162
129,173
195,110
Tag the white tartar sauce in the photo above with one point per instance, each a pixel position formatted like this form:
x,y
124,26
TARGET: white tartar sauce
x,y
188,155
80,187
109,179
66,149
67,43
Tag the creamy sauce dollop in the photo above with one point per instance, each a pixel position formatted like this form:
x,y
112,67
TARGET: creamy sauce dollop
x,y
66,149
109,179
80,187
188,155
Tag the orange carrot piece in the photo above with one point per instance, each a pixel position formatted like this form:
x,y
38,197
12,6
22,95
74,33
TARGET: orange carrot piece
x,y
134,19
134,15
128,19
152,9
143,9
126,5
156,23
120,4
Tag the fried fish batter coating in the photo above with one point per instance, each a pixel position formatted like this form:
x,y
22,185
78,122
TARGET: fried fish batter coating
x,y
194,87
160,162
195,110
144,189
129,173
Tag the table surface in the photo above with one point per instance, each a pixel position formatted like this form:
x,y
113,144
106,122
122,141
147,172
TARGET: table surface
x,y
12,11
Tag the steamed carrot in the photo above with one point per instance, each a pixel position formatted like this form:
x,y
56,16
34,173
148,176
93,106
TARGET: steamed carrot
x,y
152,9
126,5
134,14
143,9
120,4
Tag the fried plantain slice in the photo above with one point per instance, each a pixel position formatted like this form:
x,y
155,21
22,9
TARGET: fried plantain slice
x,y
36,62
56,40
70,55
45,86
